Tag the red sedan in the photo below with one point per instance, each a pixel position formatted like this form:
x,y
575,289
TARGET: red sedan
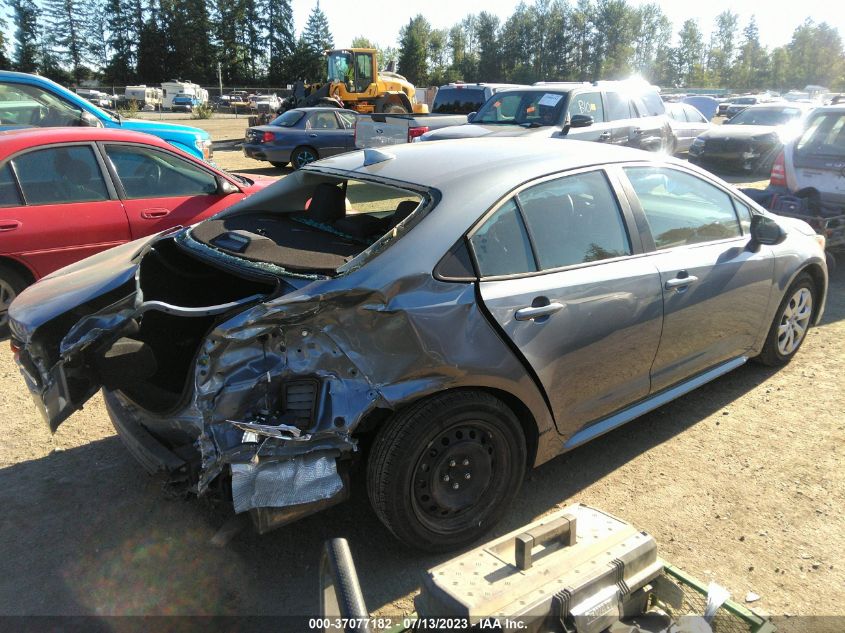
x,y
67,193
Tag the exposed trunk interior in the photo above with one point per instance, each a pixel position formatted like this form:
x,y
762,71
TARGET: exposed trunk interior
x,y
168,274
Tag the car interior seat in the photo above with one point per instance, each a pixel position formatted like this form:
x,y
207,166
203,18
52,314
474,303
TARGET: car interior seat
x,y
328,204
75,180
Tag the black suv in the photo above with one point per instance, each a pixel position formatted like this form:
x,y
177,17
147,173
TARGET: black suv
x,y
620,113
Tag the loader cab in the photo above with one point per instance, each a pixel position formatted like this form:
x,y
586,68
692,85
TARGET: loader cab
x,y
354,68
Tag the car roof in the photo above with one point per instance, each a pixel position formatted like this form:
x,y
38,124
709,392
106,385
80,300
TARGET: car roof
x,y
493,165
324,109
21,138
780,105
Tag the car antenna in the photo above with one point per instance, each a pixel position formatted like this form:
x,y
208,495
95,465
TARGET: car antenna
x,y
373,156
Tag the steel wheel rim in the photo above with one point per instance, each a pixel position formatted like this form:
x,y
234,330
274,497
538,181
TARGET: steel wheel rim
x,y
304,157
795,321
7,295
444,499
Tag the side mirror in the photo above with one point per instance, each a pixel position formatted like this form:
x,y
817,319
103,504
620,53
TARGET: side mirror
x,y
765,230
89,120
581,120
224,187
340,591
471,116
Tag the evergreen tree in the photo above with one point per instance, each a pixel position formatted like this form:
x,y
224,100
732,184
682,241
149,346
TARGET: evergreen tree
x,y
152,52
413,50
65,36
120,68
280,38
723,48
318,39
25,15
750,69
689,55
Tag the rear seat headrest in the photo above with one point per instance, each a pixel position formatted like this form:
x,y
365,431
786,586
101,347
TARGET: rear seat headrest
x,y
403,210
328,203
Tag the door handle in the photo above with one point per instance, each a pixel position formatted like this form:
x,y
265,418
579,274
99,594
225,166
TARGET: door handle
x,y
313,135
9,225
154,214
638,131
680,282
530,313
604,136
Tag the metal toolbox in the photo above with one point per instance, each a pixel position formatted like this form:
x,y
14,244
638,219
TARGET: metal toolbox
x,y
579,569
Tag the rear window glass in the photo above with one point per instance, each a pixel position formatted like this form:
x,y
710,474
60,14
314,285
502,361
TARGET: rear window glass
x,y
288,119
825,136
458,100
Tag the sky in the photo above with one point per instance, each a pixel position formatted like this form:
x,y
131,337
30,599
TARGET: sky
x,y
380,21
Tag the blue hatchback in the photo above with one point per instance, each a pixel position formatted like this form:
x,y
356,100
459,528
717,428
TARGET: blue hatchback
x,y
301,136
33,101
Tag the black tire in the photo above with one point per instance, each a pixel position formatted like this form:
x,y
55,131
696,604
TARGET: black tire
x,y
777,352
394,108
11,285
422,456
303,155
278,165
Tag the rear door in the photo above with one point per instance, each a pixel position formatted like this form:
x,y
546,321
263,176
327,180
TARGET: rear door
x,y
160,190
562,276
61,207
326,133
715,288
348,120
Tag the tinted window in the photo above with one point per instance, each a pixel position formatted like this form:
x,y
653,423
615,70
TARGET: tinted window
x,y
574,220
653,102
458,100
147,173
588,103
9,195
501,245
693,114
618,107
681,208
60,175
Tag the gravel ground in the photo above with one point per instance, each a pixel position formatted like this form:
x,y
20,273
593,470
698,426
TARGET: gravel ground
x,y
741,481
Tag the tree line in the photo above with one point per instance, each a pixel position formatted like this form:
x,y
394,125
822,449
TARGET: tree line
x,y
553,40
149,41
125,42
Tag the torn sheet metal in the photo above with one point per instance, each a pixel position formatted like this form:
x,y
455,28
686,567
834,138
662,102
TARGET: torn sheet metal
x,y
311,477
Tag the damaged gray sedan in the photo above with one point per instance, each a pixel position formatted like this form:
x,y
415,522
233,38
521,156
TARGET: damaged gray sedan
x,y
445,316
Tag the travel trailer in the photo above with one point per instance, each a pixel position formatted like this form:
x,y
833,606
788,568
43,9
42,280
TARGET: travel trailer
x,y
172,89
144,95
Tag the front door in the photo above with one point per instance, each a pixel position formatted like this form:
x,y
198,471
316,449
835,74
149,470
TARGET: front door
x,y
715,288
326,133
564,282
161,190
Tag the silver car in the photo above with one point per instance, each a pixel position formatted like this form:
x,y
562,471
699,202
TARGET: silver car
x,y
447,316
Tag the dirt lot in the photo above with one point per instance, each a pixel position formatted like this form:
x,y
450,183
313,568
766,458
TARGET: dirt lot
x,y
742,481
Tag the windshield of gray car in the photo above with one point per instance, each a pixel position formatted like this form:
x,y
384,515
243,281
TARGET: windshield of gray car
x,y
765,116
529,108
288,119
825,136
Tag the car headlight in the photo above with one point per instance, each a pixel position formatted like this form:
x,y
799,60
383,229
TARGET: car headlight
x,y
204,147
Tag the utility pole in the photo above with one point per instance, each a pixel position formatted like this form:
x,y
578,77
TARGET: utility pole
x,y
220,77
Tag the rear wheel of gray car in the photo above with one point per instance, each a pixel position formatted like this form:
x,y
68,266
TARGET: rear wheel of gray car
x,y
442,472
303,155
11,285
791,323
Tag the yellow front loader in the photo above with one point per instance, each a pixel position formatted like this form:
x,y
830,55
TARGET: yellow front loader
x,y
354,82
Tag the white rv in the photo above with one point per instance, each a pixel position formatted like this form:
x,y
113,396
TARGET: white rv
x,y
171,89
144,95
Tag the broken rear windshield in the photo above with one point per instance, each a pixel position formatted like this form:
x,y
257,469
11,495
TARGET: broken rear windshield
x,y
309,224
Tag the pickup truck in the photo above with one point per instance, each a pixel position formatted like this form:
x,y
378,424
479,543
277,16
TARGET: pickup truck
x,y
452,104
185,102
32,101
